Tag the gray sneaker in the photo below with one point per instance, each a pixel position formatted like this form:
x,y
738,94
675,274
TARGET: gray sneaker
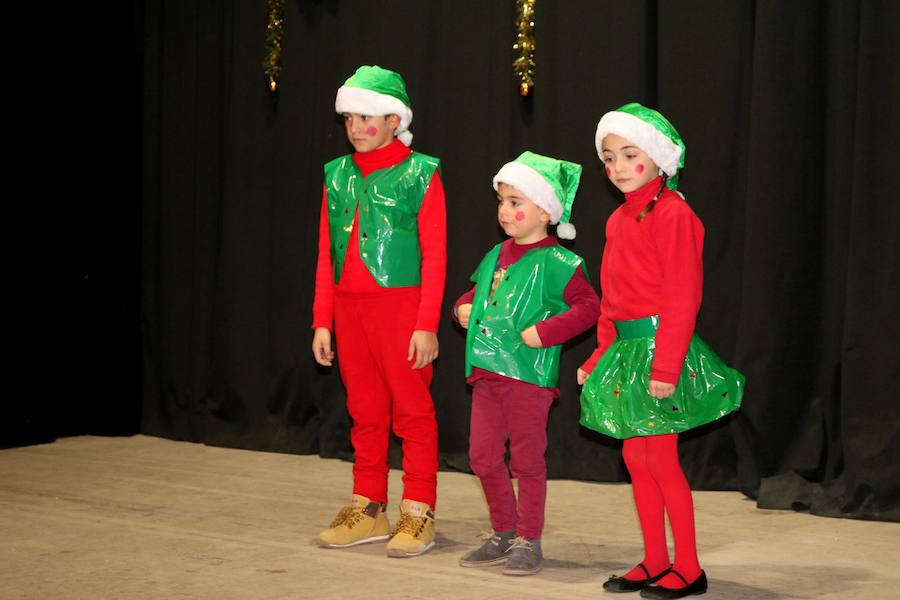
x,y
492,552
525,557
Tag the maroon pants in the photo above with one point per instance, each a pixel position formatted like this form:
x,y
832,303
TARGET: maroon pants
x,y
515,411
373,332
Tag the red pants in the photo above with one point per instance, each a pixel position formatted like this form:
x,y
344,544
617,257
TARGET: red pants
x,y
515,411
373,332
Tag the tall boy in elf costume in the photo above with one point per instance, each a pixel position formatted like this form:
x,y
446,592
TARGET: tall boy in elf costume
x,y
530,296
380,277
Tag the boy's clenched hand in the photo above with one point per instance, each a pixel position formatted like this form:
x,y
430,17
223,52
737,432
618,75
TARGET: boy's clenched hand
x,y
424,346
321,347
462,314
531,338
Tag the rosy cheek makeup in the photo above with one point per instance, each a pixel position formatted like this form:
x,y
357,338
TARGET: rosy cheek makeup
x,y
608,172
520,216
371,131
639,169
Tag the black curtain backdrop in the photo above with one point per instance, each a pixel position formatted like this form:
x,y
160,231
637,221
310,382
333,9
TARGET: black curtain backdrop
x,y
73,217
790,115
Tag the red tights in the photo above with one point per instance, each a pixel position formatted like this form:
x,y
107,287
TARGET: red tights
x,y
660,486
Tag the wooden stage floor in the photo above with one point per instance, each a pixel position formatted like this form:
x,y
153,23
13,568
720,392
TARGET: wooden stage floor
x,y
146,518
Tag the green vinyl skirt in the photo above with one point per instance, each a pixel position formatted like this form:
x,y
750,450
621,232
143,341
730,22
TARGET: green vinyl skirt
x,y
615,400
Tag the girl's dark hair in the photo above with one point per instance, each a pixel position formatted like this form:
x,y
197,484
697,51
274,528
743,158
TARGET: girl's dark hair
x,y
652,203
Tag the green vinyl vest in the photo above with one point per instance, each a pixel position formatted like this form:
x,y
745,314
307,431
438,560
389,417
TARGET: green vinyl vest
x,y
530,292
388,230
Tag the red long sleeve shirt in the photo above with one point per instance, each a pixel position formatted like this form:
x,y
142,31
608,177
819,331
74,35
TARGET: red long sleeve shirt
x,y
652,267
356,278
584,306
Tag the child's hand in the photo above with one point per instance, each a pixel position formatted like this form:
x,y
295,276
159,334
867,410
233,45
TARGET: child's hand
x,y
531,338
582,376
424,346
321,347
660,389
462,314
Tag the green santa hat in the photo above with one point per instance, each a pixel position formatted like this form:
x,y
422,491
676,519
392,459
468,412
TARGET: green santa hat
x,y
649,131
375,91
549,182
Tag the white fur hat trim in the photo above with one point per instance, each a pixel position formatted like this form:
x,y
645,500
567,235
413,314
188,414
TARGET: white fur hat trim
x,y
642,134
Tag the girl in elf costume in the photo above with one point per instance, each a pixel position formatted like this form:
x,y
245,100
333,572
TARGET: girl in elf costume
x,y
380,279
650,377
530,296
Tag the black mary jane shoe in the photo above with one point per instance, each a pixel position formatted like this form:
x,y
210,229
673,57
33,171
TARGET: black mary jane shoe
x,y
620,585
658,592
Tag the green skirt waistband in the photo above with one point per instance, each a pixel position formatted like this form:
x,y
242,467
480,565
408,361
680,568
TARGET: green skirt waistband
x,y
637,328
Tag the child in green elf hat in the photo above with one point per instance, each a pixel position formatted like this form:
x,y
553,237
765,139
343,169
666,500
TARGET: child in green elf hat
x,y
651,378
380,281
530,296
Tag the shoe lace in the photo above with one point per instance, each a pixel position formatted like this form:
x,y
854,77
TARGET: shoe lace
x,y
485,536
354,518
409,524
342,516
520,542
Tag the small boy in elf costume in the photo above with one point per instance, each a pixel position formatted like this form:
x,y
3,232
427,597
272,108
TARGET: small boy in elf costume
x,y
530,296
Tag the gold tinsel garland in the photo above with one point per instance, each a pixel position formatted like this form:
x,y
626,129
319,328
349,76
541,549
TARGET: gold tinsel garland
x,y
274,31
523,65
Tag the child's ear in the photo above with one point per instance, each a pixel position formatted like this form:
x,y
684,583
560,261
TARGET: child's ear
x,y
393,121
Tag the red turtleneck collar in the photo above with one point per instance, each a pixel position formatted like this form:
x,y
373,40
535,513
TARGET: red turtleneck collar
x,y
638,199
392,154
